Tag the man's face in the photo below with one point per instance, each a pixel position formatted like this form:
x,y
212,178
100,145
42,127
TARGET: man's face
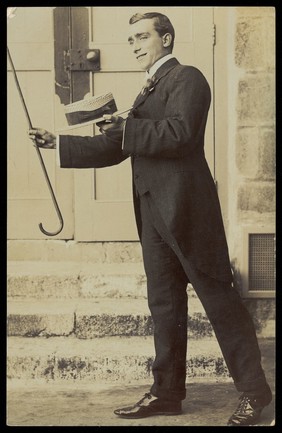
x,y
146,43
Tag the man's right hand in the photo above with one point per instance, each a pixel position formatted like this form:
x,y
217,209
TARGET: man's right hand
x,y
42,138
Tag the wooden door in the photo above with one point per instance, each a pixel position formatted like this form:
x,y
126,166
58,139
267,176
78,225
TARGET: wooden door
x,y
103,200
30,40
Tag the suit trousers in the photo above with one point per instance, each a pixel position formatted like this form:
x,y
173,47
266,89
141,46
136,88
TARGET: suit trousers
x,y
168,273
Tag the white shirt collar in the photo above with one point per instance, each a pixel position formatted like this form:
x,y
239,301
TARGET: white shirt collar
x,y
157,65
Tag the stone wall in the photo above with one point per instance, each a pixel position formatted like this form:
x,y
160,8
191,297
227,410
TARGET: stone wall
x,y
252,133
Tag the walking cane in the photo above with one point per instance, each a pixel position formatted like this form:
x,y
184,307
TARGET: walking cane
x,y
40,159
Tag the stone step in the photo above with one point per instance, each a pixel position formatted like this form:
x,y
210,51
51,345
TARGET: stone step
x,y
110,359
91,318
85,281
55,250
76,280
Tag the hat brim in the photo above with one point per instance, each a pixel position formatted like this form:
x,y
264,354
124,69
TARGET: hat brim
x,y
90,122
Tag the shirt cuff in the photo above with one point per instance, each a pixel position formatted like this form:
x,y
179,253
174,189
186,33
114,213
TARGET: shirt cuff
x,y
123,135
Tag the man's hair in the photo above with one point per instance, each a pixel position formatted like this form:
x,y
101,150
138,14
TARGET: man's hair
x,y
161,23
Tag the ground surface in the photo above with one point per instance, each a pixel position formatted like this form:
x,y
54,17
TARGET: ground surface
x,y
206,404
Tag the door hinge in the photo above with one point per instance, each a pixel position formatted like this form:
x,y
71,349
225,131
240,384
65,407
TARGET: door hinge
x,y
214,35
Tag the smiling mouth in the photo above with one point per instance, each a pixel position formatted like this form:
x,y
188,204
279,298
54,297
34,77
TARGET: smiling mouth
x,y
140,55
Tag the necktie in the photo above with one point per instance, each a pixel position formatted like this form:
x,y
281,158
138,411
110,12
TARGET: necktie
x,y
148,86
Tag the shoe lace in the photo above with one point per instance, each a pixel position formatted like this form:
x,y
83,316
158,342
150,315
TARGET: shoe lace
x,y
147,395
244,402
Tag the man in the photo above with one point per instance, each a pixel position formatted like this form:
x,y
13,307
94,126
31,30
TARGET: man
x,y
178,218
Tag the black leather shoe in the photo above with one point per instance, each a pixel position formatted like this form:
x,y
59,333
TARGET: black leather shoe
x,y
150,405
249,409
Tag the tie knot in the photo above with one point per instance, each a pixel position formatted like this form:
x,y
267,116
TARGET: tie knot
x,y
148,85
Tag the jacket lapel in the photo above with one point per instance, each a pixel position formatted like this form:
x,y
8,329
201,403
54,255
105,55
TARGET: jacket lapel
x,y
161,72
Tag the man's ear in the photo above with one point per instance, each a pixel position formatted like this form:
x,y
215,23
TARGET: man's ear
x,y
167,40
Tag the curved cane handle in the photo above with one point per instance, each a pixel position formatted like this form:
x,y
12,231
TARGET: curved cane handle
x,y
53,198
51,233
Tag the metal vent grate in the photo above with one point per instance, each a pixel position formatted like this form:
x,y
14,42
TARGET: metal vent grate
x,y
261,261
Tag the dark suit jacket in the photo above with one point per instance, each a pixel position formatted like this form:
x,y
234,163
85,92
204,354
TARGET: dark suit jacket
x,y
164,136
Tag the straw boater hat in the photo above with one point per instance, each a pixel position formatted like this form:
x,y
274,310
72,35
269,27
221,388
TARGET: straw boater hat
x,y
90,110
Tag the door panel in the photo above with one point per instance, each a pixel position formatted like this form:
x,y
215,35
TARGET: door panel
x,y
103,201
30,40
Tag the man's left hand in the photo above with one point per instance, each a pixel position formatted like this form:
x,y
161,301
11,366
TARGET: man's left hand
x,y
112,126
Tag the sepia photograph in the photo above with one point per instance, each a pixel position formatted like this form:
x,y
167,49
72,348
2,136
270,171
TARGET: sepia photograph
x,y
141,186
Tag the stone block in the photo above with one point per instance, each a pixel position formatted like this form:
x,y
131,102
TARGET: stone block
x,y
38,325
255,153
113,285
247,155
258,197
267,154
256,97
43,286
255,43
122,252
263,314
255,12
102,325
